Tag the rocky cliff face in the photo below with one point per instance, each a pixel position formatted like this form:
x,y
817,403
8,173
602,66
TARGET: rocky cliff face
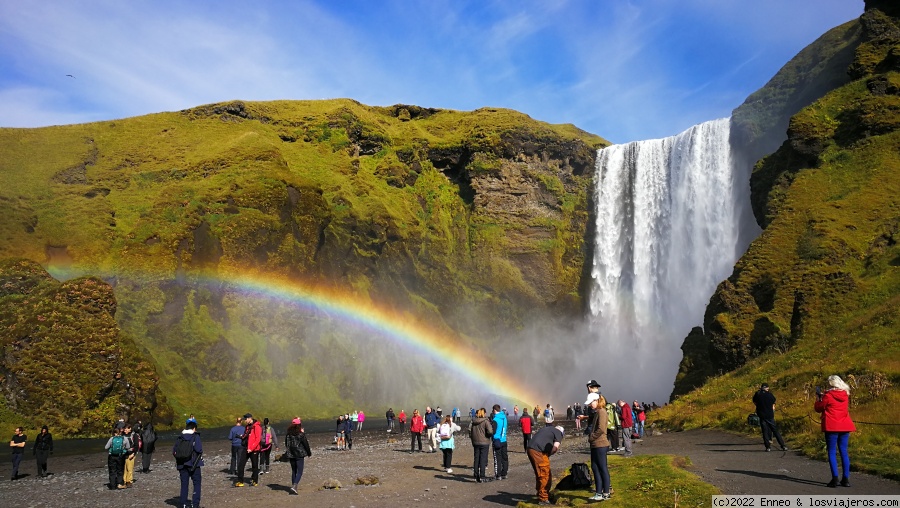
x,y
825,267
65,362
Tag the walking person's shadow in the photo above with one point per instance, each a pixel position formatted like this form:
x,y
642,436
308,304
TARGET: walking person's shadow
x,y
771,476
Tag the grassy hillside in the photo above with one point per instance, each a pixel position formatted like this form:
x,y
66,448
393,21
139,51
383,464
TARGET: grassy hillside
x,y
818,292
470,221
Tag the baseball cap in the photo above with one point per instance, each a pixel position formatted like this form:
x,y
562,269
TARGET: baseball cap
x,y
248,415
593,383
296,421
591,398
561,429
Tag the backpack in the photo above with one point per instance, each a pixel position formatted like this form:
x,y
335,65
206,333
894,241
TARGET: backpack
x,y
118,445
446,433
753,420
148,436
184,449
546,413
611,417
266,439
581,475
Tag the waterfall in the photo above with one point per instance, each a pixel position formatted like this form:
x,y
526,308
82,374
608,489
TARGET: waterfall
x,y
671,223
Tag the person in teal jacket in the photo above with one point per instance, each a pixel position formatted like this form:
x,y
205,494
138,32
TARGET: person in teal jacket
x,y
501,453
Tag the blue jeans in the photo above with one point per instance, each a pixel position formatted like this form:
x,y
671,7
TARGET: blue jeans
x,y
188,475
838,441
600,470
297,470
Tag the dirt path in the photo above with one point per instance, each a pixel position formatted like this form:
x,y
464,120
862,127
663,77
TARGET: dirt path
x,y
735,464
738,465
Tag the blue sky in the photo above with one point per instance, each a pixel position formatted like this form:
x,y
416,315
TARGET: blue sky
x,y
626,70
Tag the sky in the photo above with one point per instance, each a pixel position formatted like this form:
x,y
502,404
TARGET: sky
x,y
625,70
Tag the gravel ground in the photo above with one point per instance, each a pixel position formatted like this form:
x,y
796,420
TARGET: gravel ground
x,y
735,464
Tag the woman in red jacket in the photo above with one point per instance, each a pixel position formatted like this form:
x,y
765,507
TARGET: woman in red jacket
x,y
416,426
837,426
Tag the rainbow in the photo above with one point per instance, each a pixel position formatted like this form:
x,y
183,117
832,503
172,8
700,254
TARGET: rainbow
x,y
397,326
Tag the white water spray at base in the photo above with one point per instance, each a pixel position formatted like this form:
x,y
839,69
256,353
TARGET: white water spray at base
x,y
670,214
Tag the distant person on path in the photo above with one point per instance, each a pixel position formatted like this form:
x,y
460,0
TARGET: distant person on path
x,y
43,447
339,437
268,441
545,443
348,433
389,416
577,413
360,419
455,414
189,469
148,446
516,412
128,469
612,426
296,448
481,433
627,426
17,447
834,404
639,418
570,413
401,420
599,445
445,433
527,426
236,437
765,409
501,448
431,422
548,414
535,413
416,427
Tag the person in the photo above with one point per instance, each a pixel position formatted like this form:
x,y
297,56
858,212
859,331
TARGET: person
x,y
268,441
545,443
527,426
599,444
576,410
416,426
43,447
445,433
431,423
501,451
627,426
359,420
612,426
548,414
515,412
836,424
189,469
148,446
296,448
130,456
401,419
17,447
535,413
570,413
354,418
339,428
765,409
236,436
348,433
481,433
389,416
117,447
250,451
455,414
639,418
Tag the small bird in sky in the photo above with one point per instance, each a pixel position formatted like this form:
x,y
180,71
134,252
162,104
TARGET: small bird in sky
x,y
71,76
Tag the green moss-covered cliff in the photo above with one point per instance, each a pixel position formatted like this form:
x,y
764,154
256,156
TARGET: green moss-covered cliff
x,y
475,221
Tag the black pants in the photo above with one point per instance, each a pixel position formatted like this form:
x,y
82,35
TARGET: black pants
x,y
146,458
501,460
613,436
235,458
242,465
41,458
264,459
448,457
600,469
481,459
768,429
116,466
16,460
527,439
416,436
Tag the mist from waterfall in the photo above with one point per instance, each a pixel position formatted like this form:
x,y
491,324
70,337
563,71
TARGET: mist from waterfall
x,y
672,220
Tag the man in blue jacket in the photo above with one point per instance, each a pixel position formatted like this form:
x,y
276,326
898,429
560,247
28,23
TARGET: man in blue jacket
x,y
501,453
189,469
431,424
235,436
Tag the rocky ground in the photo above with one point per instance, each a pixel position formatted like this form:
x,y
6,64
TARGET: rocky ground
x,y
733,463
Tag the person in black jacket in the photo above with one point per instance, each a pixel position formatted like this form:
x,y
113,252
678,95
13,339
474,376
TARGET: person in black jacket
x,y
148,446
189,470
43,447
296,449
765,409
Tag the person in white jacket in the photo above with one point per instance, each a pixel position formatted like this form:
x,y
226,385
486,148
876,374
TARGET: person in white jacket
x,y
445,434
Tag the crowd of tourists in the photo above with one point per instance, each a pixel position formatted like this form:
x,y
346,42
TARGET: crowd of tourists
x,y
605,423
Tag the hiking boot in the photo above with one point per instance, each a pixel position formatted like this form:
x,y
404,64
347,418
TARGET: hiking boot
x,y
240,484
845,482
253,484
833,483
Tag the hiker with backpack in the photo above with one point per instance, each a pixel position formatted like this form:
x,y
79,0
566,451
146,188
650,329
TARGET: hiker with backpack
x,y
500,446
118,447
612,427
268,441
188,453
296,449
445,432
597,426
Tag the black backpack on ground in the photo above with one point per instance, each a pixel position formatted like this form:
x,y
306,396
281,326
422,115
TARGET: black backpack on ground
x,y
581,475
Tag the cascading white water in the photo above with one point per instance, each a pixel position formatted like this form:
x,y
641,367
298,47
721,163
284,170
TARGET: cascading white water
x,y
670,214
